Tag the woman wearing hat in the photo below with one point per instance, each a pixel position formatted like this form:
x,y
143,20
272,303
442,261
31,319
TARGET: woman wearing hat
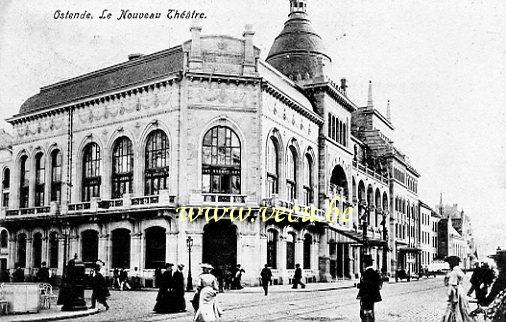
x,y
207,289
458,308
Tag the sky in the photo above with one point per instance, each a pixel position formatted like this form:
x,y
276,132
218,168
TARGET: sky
x,y
442,64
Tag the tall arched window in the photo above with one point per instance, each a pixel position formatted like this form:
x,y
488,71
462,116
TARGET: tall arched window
x,y
157,163
6,184
308,180
272,248
40,179
53,249
21,250
308,241
4,239
56,166
122,167
37,249
221,161
290,251
272,168
91,172
24,182
291,174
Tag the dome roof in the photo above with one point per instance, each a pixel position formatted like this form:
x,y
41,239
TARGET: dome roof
x,y
296,49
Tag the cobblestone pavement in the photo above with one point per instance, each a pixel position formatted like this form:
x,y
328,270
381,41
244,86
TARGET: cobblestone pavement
x,y
422,300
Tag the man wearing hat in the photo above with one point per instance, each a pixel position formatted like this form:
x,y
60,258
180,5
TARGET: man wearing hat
x,y
43,274
165,297
178,282
369,290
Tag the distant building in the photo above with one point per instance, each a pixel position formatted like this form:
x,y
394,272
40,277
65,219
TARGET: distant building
x,y
456,235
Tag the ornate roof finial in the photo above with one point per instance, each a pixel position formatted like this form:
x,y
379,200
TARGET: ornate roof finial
x,y
389,117
369,96
297,6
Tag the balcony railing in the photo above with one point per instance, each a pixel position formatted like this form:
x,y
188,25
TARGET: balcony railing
x,y
146,200
224,198
370,172
79,206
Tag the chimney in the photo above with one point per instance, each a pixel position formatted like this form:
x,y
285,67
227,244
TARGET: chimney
x,y
135,56
249,51
369,97
343,85
195,49
389,118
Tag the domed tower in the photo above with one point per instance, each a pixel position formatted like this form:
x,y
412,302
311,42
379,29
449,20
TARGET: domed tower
x,y
298,51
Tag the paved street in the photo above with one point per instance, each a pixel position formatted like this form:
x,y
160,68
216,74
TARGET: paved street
x,y
416,301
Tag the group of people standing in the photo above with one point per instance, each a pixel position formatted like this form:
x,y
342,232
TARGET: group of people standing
x,y
18,276
170,298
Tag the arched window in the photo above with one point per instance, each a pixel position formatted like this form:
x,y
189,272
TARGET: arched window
x,y
291,174
308,180
21,258
56,166
24,182
290,251
53,249
120,243
37,249
122,167
272,168
221,161
155,247
156,171
40,178
272,248
89,246
6,184
4,240
308,241
91,172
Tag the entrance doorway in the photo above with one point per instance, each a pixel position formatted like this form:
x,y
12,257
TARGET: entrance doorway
x,y
220,245
121,248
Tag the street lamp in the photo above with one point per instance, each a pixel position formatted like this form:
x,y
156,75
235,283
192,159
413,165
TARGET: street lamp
x,y
189,282
364,214
66,232
385,239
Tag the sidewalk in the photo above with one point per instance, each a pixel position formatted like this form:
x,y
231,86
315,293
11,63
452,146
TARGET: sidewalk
x,y
52,314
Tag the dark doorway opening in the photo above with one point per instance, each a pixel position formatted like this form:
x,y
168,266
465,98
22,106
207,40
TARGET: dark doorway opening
x,y
220,244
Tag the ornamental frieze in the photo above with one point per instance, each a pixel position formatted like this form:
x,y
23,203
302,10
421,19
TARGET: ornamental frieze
x,y
223,94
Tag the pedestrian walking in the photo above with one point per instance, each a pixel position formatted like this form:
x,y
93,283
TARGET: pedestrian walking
x,y
100,293
266,276
178,282
157,276
458,308
297,277
369,290
204,302
115,279
136,279
123,280
496,299
237,278
43,274
218,272
165,297
475,280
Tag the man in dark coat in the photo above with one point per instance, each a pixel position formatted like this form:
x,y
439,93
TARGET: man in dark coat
x,y
18,275
43,274
369,290
165,297
266,276
100,293
475,280
297,277
178,285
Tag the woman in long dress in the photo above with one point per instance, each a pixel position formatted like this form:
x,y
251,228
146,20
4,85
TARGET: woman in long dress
x,y
458,308
208,310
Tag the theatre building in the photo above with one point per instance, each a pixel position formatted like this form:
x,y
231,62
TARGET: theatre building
x,y
100,165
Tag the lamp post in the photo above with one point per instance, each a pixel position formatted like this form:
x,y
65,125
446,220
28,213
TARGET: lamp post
x,y
66,232
385,239
189,282
364,214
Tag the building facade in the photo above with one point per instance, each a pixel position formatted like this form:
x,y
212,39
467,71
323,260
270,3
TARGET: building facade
x,y
133,164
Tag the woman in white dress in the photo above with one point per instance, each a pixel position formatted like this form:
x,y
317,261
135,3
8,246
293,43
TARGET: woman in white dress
x,y
208,310
458,308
